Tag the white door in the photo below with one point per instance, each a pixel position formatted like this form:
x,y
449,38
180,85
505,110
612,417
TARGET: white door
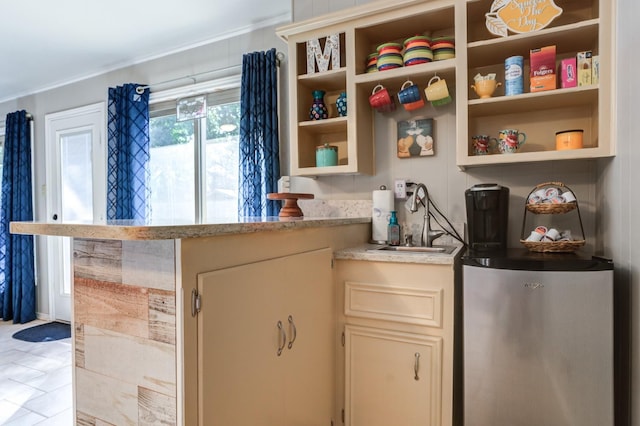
x,y
75,190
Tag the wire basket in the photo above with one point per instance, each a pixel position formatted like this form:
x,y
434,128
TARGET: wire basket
x,y
563,246
548,208
553,246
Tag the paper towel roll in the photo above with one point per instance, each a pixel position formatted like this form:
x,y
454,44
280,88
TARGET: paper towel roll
x,y
381,211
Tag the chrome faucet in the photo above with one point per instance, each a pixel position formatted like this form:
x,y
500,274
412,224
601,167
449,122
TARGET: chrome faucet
x,y
428,234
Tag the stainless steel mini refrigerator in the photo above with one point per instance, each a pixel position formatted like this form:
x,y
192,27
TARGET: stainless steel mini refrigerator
x,y
537,340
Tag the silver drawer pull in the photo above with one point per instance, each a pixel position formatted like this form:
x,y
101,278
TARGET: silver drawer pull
x,y
294,331
283,338
416,366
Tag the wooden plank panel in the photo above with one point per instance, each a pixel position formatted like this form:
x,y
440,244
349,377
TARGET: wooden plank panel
x,y
155,408
84,419
149,264
138,361
98,259
113,400
162,316
79,344
116,307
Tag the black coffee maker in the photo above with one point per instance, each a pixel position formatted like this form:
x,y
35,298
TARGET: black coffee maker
x,y
487,216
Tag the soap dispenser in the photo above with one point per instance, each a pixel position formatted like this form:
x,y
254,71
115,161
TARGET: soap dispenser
x,y
393,230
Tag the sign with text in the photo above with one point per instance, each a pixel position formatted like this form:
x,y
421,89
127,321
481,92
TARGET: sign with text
x,y
520,16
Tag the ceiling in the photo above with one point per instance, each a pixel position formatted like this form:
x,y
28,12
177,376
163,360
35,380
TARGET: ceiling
x,y
45,44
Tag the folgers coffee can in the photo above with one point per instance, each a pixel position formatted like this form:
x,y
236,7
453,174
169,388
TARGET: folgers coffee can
x,y
513,75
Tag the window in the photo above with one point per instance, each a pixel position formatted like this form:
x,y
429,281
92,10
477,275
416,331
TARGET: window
x,y
194,163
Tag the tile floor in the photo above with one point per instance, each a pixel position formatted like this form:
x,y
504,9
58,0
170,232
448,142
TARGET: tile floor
x,y
35,380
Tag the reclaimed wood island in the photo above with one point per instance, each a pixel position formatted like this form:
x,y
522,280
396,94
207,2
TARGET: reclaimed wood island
x,y
162,314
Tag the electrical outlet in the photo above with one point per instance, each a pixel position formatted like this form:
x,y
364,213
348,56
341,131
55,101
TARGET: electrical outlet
x,y
400,189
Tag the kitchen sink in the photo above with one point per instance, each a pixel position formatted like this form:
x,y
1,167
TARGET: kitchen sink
x,y
414,249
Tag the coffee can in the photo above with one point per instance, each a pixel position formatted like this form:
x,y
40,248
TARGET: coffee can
x,y
513,75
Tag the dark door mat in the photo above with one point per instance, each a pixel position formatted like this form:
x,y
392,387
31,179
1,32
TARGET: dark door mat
x,y
45,332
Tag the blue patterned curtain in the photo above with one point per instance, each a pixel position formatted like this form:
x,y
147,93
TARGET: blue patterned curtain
x,y
259,145
128,154
17,273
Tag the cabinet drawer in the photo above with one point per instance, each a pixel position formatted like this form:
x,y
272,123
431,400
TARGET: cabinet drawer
x,y
391,303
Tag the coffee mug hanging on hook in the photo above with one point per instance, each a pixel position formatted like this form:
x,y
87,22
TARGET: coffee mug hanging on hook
x,y
437,91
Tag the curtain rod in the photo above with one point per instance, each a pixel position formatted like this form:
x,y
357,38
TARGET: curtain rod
x,y
140,90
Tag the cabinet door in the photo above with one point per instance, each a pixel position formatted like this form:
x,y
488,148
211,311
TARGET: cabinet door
x,y
392,378
310,374
243,379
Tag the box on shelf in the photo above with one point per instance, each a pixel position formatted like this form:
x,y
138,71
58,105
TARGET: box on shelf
x,y
568,73
543,68
595,69
584,68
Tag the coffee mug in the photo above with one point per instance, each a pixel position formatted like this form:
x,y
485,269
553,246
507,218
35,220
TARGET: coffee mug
x,y
485,88
482,143
381,100
509,140
437,92
409,93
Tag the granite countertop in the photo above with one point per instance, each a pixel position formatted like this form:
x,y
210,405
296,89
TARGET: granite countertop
x,y
367,252
130,230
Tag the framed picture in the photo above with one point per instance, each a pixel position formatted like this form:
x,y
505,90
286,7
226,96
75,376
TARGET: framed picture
x,y
190,108
415,138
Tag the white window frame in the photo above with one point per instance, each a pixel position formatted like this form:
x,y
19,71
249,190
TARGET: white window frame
x,y
205,88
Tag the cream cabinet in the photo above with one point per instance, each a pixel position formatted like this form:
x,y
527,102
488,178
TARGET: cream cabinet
x,y
583,26
398,342
393,377
266,342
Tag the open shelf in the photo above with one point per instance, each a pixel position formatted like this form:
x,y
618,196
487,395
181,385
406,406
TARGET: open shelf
x,y
559,98
569,38
327,80
329,125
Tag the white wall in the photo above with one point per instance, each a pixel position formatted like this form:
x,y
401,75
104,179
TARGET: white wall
x,y
619,205
217,55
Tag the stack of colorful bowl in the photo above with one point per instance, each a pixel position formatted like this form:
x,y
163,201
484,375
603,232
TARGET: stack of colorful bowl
x,y
443,48
372,62
417,50
389,56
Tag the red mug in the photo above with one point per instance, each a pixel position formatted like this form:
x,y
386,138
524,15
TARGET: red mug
x,y
381,100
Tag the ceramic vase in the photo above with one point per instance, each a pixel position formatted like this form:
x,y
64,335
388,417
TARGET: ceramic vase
x,y
341,104
318,110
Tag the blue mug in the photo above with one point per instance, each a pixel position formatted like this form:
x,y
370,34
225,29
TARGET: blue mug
x,y
409,93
